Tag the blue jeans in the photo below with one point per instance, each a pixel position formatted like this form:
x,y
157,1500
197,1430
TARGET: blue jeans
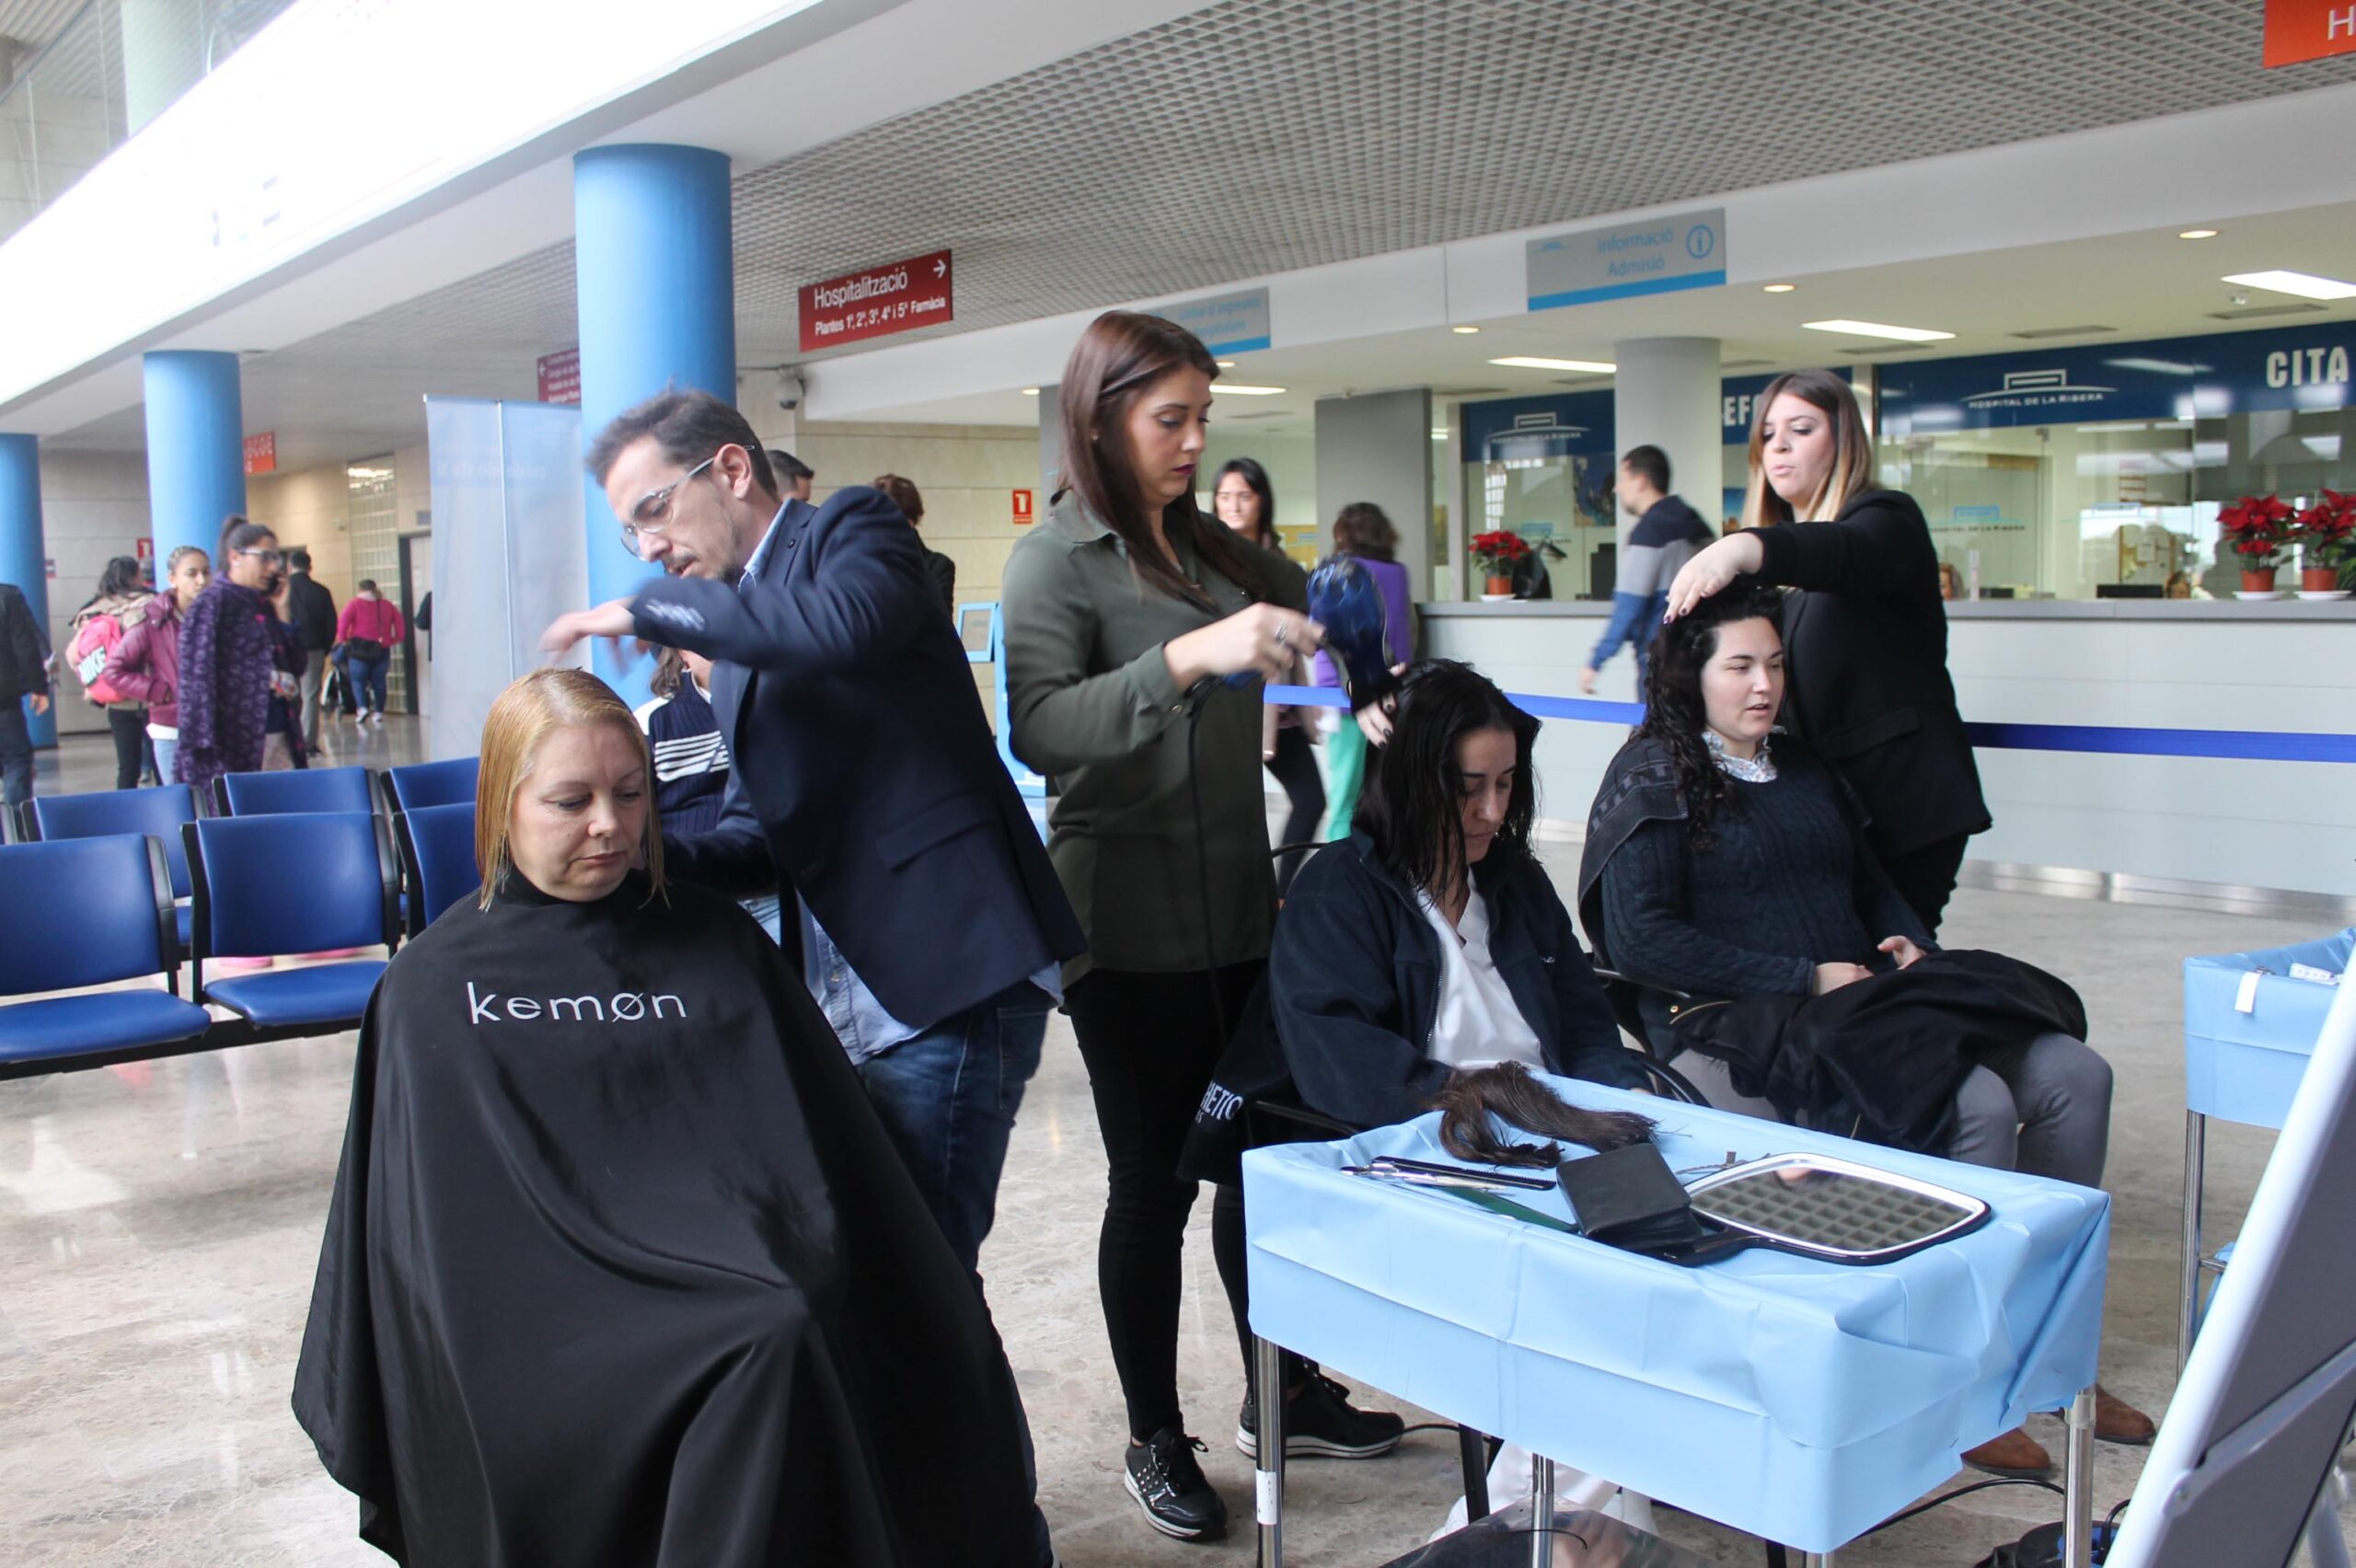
x,y
948,1097
17,776
167,754
368,680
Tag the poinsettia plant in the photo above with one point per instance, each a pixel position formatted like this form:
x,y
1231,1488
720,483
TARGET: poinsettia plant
x,y
2258,527
2326,532
1496,553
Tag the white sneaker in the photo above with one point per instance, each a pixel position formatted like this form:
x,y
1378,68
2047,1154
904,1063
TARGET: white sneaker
x,y
376,718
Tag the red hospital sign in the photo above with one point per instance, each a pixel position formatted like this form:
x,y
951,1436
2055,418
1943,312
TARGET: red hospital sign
x,y
878,302
2297,30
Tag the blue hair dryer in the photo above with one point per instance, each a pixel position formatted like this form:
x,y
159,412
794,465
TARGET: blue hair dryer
x,y
1345,599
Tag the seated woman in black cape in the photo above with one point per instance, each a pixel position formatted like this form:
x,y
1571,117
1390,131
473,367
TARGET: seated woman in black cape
x,y
1431,940
1724,860
620,1268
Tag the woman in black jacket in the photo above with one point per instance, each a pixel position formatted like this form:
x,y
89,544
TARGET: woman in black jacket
x,y
1868,638
1430,940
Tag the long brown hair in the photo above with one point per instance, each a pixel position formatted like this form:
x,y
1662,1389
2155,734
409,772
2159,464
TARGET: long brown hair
x,y
1854,471
1115,363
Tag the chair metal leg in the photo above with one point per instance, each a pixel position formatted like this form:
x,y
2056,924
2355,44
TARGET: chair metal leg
x,y
2078,1501
1541,1511
1268,1470
1776,1556
2326,1545
1473,1448
2196,1137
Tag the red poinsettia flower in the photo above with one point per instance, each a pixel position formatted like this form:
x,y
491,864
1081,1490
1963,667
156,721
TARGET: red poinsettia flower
x,y
1499,549
2256,525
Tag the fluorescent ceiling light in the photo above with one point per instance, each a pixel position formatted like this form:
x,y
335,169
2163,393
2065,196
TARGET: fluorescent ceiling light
x,y
1439,435
2306,285
1030,391
2158,367
2198,234
1875,329
1531,362
1226,364
1223,389
1464,332
1777,288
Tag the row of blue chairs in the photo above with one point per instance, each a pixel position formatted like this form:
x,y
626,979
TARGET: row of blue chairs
x,y
123,885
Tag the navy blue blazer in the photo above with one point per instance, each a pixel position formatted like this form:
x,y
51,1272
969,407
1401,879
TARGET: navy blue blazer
x,y
865,777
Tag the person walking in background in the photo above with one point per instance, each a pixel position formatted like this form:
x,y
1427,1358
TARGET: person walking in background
x,y
690,757
24,682
312,609
793,477
236,655
367,629
1246,502
941,571
98,629
1363,533
1866,637
1126,611
1667,535
146,665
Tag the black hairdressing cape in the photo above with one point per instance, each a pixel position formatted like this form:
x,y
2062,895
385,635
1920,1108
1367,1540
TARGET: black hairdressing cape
x,y
620,1268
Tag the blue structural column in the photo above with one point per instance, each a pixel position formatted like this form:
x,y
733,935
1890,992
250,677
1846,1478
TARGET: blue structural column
x,y
24,558
656,285
196,448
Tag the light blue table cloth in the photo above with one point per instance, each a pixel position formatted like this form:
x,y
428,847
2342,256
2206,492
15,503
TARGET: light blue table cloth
x,y
1803,1402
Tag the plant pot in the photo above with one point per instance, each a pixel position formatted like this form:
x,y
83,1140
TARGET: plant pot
x,y
2318,579
1499,584
2257,581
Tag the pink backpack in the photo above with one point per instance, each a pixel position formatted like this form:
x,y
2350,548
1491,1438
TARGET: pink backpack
x,y
92,645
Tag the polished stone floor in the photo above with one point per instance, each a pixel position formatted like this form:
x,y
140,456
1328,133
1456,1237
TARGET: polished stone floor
x,y
159,1226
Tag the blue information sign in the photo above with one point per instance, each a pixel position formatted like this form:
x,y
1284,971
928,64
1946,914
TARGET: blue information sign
x,y
1683,251
1226,324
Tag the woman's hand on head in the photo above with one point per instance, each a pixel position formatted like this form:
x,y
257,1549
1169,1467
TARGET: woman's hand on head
x,y
1376,718
1712,569
1903,948
1261,639
1832,977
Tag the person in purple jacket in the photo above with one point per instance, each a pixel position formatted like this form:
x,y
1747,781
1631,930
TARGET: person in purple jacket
x,y
1363,533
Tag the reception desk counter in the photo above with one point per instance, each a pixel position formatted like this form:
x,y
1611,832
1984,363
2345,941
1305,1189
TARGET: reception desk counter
x,y
2219,831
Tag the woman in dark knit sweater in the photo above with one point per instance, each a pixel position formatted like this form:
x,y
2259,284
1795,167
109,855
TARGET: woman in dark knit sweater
x,y
1724,860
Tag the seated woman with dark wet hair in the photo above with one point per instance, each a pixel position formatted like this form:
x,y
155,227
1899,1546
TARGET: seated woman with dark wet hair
x,y
1724,862
620,1270
1430,940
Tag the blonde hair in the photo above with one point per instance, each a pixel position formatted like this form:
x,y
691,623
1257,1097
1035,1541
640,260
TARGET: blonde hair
x,y
524,715
1854,468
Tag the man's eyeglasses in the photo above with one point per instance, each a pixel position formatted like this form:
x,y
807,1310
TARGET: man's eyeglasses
x,y
267,558
653,512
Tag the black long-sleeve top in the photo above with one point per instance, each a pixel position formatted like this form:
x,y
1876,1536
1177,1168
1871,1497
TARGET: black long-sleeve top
x,y
1786,884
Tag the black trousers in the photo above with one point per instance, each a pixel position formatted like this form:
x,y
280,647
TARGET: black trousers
x,y
1150,1043
1925,877
129,728
1295,767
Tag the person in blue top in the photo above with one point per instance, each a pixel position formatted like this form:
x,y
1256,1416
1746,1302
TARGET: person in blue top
x,y
1667,535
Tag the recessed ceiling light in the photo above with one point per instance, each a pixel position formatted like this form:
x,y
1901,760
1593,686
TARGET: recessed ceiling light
x,y
2306,285
2198,234
1030,391
1876,329
1464,332
1223,389
1777,288
1531,362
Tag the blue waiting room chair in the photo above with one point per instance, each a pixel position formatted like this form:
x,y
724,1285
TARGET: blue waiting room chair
x,y
158,812
89,912
447,783
437,845
294,789
297,881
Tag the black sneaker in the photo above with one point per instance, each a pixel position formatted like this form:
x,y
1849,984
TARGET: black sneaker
x,y
1321,1423
1162,1474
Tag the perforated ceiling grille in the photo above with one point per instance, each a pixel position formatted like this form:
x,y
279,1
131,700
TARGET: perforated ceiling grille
x,y
1262,135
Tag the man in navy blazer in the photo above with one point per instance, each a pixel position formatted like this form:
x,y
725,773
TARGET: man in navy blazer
x,y
864,780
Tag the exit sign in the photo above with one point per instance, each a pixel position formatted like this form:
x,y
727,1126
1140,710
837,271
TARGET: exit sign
x,y
2299,31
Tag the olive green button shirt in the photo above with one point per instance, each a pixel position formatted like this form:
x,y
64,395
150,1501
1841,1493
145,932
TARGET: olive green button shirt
x,y
1092,706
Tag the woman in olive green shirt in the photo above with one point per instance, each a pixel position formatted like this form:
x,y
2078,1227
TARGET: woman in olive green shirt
x,y
1124,611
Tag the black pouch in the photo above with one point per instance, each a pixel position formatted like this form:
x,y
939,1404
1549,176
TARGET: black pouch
x,y
1630,1199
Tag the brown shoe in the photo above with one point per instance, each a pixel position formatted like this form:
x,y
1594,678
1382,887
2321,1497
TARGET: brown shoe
x,y
2116,1421
2015,1455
